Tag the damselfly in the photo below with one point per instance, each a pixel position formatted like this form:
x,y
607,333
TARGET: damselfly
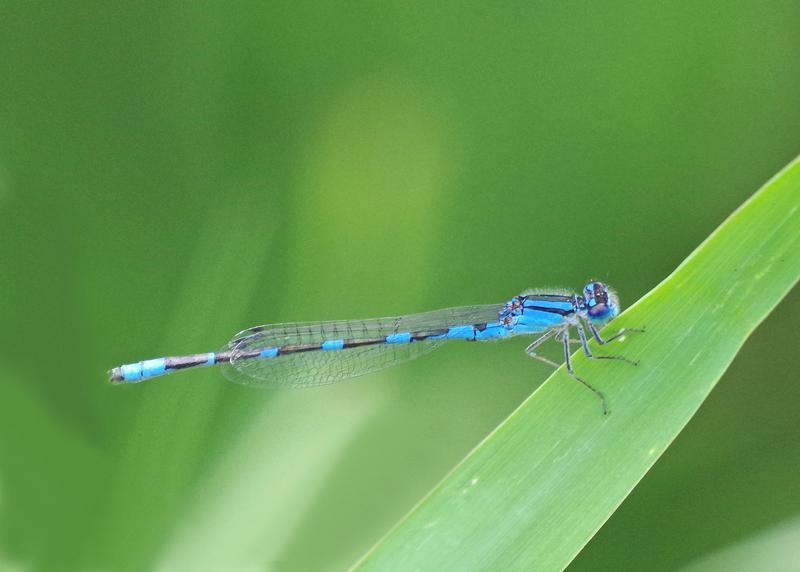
x,y
318,353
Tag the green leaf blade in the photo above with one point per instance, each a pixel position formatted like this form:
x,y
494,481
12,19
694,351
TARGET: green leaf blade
x,y
538,488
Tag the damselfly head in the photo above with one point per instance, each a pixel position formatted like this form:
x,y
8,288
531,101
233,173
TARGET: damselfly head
x,y
601,303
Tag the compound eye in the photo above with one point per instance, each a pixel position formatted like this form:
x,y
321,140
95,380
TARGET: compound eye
x,y
596,293
598,310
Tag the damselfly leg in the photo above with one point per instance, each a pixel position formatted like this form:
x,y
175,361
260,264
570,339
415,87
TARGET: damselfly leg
x,y
563,336
536,343
568,361
619,334
585,344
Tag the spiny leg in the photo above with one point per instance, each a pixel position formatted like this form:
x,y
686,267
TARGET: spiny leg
x,y
620,333
536,343
568,360
585,345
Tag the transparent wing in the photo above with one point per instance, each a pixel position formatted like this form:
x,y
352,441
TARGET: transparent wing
x,y
310,367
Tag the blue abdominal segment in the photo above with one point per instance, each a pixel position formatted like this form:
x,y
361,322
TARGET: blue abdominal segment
x,y
402,338
135,372
131,372
139,371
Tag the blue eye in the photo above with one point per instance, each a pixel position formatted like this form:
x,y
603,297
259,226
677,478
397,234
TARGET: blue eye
x,y
599,311
601,303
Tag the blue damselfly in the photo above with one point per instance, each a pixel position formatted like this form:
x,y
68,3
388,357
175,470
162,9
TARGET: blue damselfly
x,y
318,353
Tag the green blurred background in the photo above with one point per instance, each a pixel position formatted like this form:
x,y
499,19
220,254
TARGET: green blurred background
x,y
173,172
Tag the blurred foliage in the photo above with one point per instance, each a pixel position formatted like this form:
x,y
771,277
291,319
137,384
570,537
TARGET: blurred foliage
x,y
171,173
774,549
